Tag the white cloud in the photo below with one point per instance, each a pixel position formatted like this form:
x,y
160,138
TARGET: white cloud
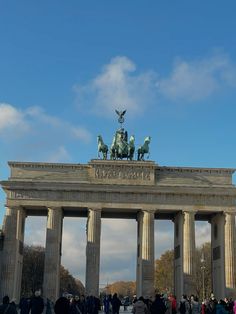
x,y
33,135
202,232
12,119
81,133
15,122
196,80
118,86
60,155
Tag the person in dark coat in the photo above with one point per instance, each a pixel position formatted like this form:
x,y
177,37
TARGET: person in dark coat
x,y
37,303
24,305
7,307
158,305
116,303
62,305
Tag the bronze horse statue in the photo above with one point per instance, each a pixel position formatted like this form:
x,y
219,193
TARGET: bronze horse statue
x,y
102,148
144,149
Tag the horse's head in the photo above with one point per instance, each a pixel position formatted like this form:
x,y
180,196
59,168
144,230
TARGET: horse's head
x,y
132,139
99,139
147,139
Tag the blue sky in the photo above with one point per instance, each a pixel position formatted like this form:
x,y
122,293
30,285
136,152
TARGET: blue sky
x,y
67,65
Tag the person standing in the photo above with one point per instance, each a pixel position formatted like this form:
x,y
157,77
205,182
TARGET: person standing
x,y
116,303
24,305
62,305
158,305
37,303
7,307
140,307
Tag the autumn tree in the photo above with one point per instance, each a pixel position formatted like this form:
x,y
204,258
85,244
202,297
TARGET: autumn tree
x,y
33,266
164,271
122,288
32,273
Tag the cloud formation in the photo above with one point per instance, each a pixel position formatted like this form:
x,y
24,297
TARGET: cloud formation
x,y
32,133
120,86
198,79
117,86
12,119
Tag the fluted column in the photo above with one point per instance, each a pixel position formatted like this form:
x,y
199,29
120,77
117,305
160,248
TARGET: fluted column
x,y
145,258
51,279
218,255
230,275
189,252
93,252
178,256
12,254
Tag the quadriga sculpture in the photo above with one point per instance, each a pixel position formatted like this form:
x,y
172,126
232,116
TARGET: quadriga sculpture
x,y
120,148
102,148
144,149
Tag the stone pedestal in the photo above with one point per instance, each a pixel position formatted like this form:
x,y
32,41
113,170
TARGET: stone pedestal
x,y
145,258
230,272
189,252
51,279
178,256
93,252
12,254
218,255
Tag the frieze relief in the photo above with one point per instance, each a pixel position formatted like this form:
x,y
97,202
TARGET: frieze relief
x,y
121,197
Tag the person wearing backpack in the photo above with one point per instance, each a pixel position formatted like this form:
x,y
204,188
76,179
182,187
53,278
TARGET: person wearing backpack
x,y
184,307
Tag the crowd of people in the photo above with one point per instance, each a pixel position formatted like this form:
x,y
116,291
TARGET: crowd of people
x,y
110,304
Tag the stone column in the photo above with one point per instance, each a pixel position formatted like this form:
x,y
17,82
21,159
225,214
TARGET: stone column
x,y
51,278
178,256
230,273
189,252
218,255
93,252
145,258
12,254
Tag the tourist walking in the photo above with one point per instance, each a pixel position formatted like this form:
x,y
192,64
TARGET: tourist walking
x,y
24,305
6,307
234,308
195,305
140,307
37,303
62,305
115,303
172,299
107,304
158,305
184,306
221,308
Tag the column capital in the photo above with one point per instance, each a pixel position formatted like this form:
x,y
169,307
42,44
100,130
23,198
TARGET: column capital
x,y
227,212
193,212
54,207
95,208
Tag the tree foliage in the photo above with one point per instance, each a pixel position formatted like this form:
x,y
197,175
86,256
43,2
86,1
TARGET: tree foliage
x,y
32,274
33,266
122,288
164,271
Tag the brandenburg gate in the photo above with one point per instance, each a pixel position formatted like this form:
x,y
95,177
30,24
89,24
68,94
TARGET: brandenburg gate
x,y
128,189
140,190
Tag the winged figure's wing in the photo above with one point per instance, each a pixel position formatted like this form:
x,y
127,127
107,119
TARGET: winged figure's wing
x,y
123,112
117,112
